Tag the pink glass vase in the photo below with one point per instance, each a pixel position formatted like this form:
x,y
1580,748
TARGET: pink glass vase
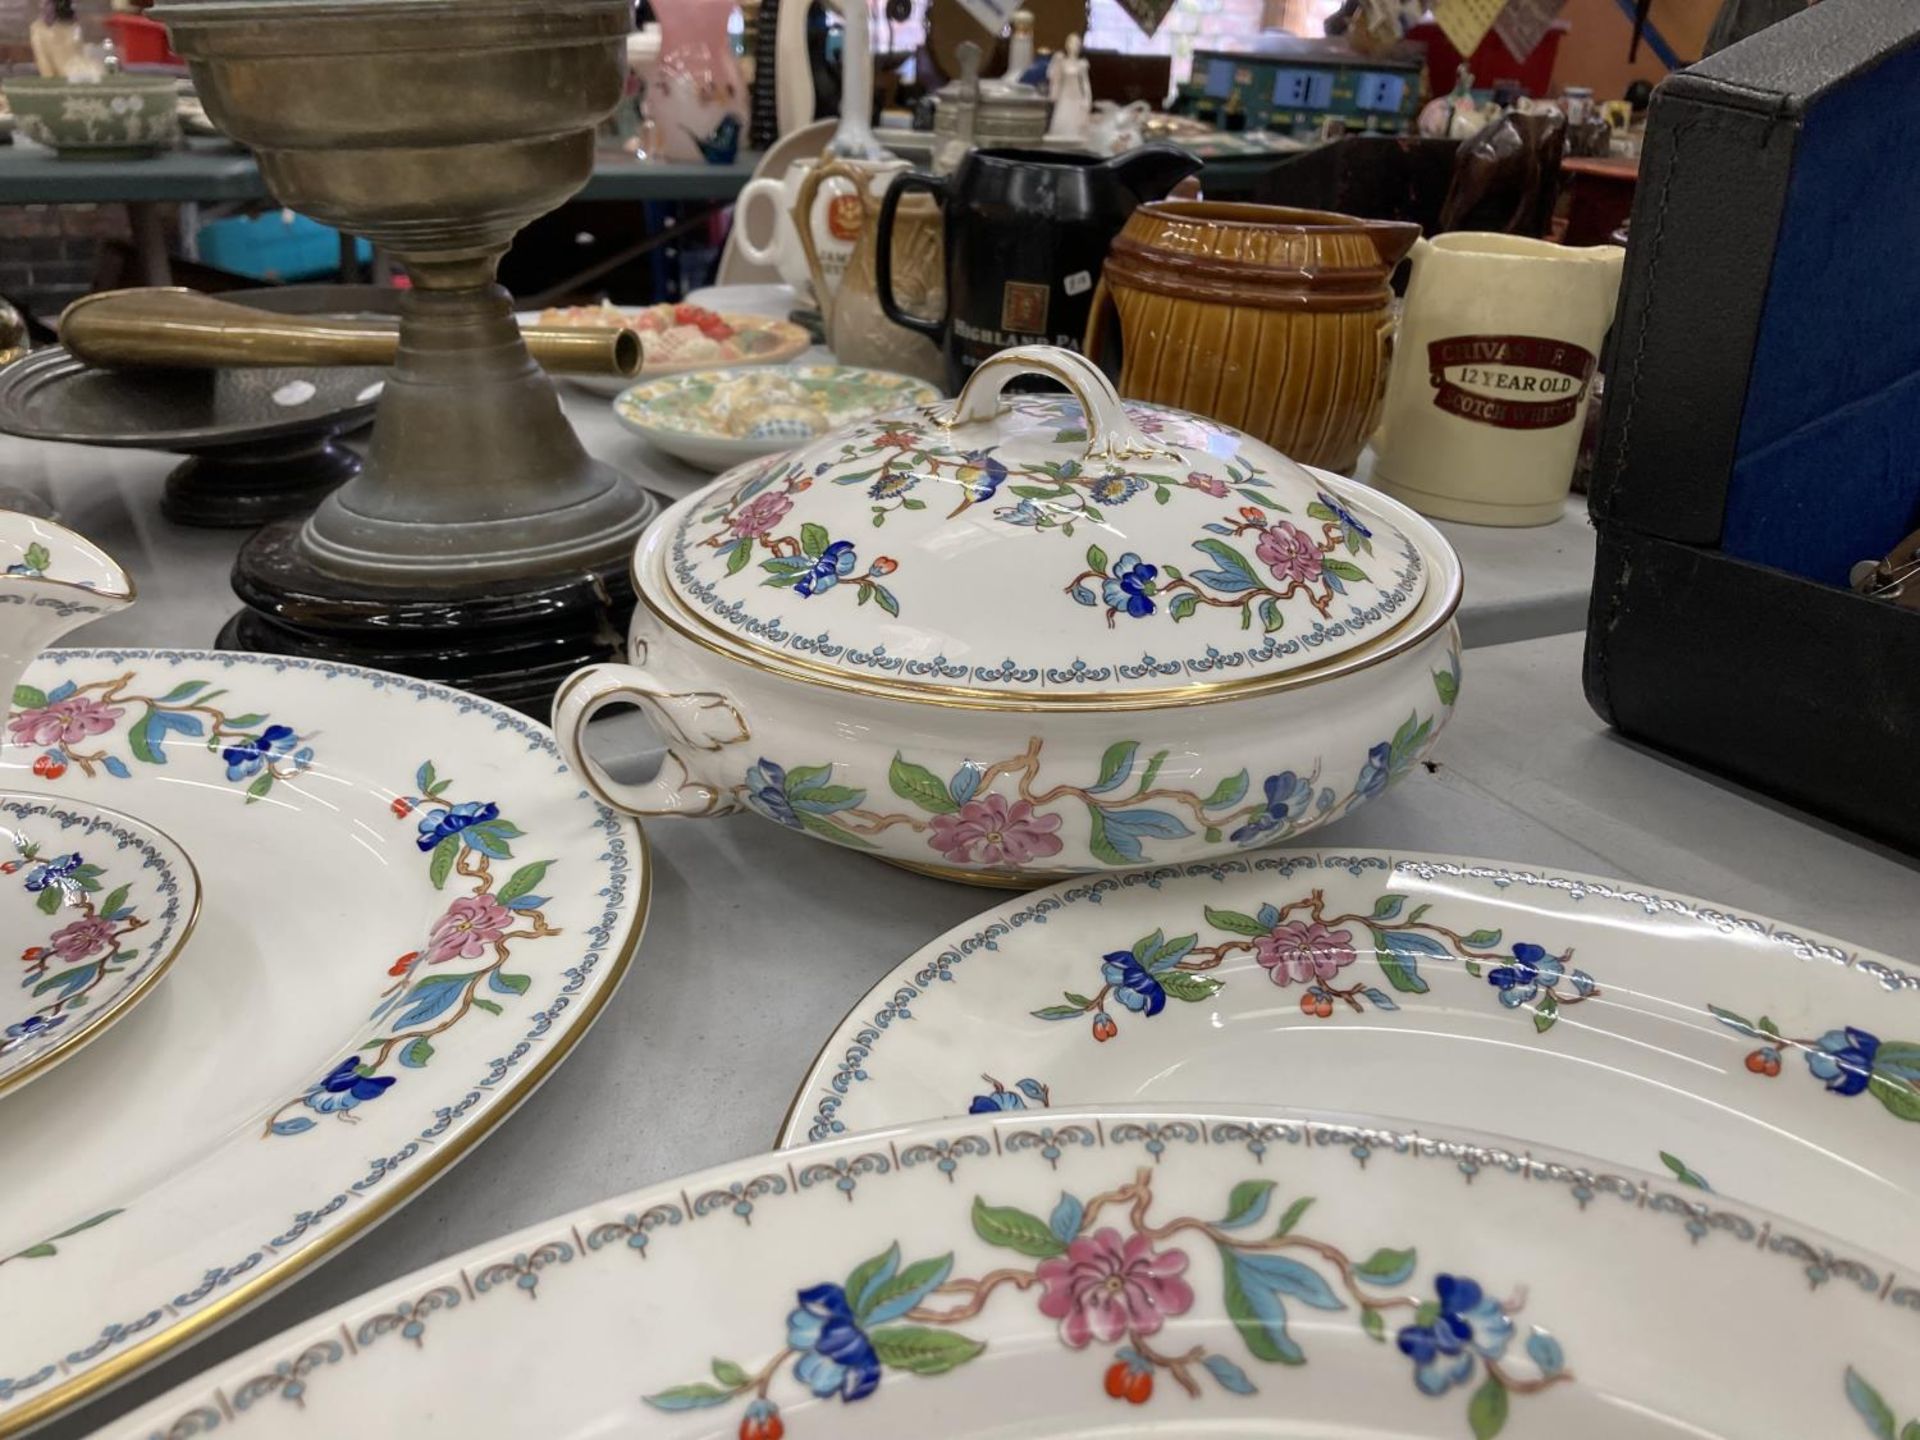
x,y
696,99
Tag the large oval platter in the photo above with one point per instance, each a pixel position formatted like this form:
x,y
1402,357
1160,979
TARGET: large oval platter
x,y
1094,1274
1650,1029
410,913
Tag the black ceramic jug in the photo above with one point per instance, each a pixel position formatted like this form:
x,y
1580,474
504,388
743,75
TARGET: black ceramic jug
x,y
1026,232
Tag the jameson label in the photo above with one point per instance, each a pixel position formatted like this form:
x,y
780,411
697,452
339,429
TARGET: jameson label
x,y
1517,382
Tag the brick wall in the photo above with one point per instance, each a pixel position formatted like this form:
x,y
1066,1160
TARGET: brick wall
x,y
48,253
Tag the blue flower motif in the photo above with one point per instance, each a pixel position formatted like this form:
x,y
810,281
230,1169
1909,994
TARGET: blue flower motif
x,y
829,568
1129,586
892,483
1288,796
767,793
1466,1322
836,1358
1532,969
1375,772
1025,513
52,872
980,474
1844,1060
32,1026
1116,489
1132,986
437,825
1344,516
344,1087
1001,1098
253,753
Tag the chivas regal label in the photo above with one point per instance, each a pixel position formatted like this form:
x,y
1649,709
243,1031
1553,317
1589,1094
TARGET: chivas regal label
x,y
1518,382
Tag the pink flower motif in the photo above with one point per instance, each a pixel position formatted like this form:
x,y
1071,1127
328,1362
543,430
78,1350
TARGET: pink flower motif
x,y
1290,552
760,514
1212,484
77,941
65,722
1304,951
990,832
471,924
1104,1288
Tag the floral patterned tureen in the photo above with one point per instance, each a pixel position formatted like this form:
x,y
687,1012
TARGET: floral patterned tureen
x,y
1008,637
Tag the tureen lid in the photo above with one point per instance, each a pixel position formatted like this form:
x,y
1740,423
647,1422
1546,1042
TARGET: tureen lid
x,y
1044,545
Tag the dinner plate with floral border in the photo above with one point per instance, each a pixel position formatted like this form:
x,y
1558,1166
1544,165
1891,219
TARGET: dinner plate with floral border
x,y
411,913
95,905
1109,1272
1649,1029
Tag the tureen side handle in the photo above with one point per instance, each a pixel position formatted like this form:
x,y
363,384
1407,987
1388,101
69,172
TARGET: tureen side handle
x,y
696,724
1111,434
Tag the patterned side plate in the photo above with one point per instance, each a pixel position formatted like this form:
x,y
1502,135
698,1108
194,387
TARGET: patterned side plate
x,y
720,418
1644,1028
412,913
96,905
1100,1273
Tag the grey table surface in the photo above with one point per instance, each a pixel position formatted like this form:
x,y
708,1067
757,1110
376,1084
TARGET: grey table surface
x,y
760,940
205,170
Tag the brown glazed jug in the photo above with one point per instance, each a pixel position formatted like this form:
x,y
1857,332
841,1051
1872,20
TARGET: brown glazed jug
x,y
1273,320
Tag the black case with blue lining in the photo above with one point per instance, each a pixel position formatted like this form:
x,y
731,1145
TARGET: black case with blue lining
x,y
1762,423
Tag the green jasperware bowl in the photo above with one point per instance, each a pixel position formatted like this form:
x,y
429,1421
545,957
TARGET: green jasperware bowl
x,y
118,117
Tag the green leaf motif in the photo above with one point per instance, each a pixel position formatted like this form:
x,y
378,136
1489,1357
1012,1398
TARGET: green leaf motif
x,y
1115,766
1345,569
1447,685
1059,1012
1373,1324
1229,791
1183,605
1899,1096
922,1350
49,900
892,1298
37,557
740,556
489,1006
1153,771
1482,940
1261,1320
1014,1229
1271,616
1103,848
417,1053
730,1375
689,1397
1096,559
114,901
260,787
1247,1205
522,881
1487,1411
185,690
870,1272
827,830
441,866
27,697
1292,1217
1184,986
1387,1267
1387,907
1234,921
921,786
1874,1410
1683,1172
1545,1012
813,538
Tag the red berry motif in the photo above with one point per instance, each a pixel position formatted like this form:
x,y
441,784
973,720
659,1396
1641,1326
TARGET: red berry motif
x,y
1103,1027
49,767
1764,1061
762,1422
402,807
1323,1007
1308,1003
1117,1375
32,952
399,967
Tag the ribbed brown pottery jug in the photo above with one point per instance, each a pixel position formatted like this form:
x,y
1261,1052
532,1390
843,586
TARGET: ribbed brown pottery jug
x,y
1273,320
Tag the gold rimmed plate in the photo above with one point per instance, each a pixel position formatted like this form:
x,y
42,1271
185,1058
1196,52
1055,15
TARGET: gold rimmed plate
x,y
412,912
95,906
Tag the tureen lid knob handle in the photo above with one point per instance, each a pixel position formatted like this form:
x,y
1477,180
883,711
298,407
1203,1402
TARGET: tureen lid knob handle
x,y
1111,434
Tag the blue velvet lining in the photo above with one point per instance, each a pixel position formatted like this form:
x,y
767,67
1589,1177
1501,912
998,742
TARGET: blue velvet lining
x,y
1827,469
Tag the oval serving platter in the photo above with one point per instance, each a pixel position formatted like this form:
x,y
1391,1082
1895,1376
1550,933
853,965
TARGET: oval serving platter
x,y
1111,1272
1648,1029
95,907
412,913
